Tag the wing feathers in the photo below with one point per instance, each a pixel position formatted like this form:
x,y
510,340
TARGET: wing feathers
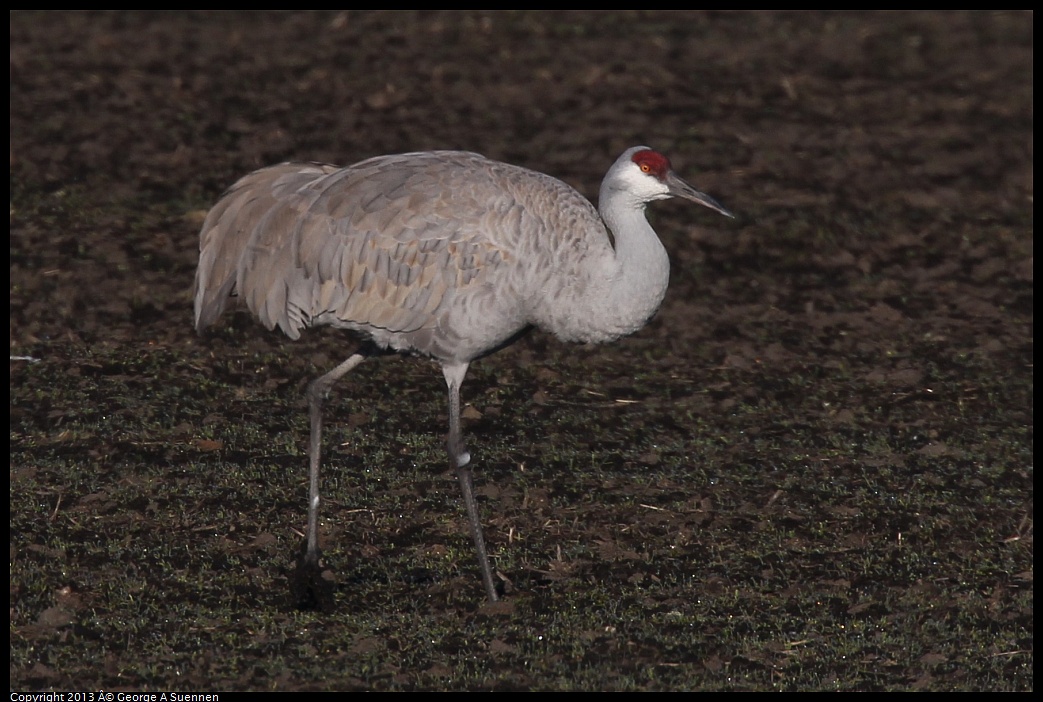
x,y
385,245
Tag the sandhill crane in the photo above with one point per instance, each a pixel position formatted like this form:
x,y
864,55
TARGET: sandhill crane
x,y
442,254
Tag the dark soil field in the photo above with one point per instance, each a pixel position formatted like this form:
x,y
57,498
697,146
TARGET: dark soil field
x,y
811,471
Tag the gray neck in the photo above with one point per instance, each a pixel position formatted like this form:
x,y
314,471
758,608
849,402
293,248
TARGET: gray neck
x,y
611,292
644,267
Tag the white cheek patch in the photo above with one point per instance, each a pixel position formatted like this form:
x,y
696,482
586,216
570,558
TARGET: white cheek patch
x,y
644,185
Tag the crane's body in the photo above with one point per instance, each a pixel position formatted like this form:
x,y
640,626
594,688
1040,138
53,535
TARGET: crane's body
x,y
444,254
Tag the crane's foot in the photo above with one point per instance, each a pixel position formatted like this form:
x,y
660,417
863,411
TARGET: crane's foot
x,y
311,585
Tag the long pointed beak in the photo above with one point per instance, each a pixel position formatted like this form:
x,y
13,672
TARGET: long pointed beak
x,y
679,188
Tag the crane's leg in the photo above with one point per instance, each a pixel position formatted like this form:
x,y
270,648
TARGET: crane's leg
x,y
317,392
459,459
308,587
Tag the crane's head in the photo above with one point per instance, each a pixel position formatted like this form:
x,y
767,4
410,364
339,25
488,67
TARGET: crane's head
x,y
646,175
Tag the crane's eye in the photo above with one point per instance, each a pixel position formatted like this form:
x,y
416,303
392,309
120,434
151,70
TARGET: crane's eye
x,y
645,168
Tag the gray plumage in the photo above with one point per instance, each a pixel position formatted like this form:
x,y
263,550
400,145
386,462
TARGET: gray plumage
x,y
443,254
